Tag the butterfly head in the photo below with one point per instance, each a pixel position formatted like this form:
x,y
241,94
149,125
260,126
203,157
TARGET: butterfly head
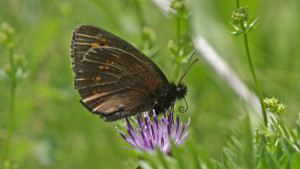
x,y
175,92
181,90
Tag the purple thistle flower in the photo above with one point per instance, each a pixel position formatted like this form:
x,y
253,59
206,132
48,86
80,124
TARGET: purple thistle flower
x,y
148,135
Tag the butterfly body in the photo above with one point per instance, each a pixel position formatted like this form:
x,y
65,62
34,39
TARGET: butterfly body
x,y
115,79
165,97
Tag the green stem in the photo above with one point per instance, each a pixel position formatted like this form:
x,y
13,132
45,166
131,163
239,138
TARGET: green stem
x,y
237,4
178,29
141,19
5,146
260,95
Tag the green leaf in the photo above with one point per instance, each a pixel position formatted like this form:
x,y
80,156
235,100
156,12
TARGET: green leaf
x,y
236,33
278,153
178,156
267,161
275,124
147,161
284,161
293,136
145,165
262,162
272,162
296,160
289,148
247,148
192,149
228,158
161,158
298,129
205,158
218,165
284,128
252,25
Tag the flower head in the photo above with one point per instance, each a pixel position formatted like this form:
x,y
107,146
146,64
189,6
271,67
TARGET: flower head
x,y
240,15
273,106
157,133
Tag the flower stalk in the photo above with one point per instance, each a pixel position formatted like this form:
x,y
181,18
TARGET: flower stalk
x,y
241,16
179,13
260,95
5,146
13,73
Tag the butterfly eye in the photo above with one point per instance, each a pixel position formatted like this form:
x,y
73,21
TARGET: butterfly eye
x,y
178,89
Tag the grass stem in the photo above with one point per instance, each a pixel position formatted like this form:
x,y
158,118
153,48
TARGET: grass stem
x,y
260,95
6,143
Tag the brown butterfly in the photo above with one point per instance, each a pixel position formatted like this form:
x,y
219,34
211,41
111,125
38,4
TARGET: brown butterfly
x,y
116,80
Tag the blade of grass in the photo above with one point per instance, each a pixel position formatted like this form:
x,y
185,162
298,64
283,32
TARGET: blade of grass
x,y
178,156
228,158
192,148
205,158
162,158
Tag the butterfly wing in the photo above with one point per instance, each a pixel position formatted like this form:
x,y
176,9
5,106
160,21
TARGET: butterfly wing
x,y
88,36
113,78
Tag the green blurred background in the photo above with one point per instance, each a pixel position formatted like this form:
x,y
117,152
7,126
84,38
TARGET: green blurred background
x,y
53,130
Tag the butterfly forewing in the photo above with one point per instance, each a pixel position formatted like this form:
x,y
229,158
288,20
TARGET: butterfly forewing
x,y
88,36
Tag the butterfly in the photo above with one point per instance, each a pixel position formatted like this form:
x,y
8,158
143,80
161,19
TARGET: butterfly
x,y
116,80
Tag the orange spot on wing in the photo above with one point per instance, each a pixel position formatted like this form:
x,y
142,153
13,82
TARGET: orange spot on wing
x,y
95,91
95,44
116,56
109,62
102,67
96,78
101,39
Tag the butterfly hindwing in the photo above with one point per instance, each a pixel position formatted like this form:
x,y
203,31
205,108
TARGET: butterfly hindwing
x,y
111,83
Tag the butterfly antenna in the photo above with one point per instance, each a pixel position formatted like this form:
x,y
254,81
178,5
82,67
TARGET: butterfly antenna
x,y
184,73
187,63
187,69
182,109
